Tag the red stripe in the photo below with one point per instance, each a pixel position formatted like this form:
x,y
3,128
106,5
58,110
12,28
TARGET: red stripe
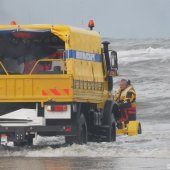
x,y
66,91
44,93
55,92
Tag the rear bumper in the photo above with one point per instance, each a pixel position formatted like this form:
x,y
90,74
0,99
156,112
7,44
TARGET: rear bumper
x,y
42,130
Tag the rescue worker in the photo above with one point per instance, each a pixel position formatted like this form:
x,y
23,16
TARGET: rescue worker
x,y
125,97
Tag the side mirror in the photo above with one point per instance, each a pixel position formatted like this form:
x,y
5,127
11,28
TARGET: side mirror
x,y
113,59
113,63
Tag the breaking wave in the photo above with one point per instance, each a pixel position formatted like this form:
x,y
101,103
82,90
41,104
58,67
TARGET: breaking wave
x,y
149,51
137,55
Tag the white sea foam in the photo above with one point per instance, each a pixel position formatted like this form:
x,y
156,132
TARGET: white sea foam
x,y
152,143
149,50
137,55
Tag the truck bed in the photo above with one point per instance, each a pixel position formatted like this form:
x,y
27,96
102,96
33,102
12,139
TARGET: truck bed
x,y
35,88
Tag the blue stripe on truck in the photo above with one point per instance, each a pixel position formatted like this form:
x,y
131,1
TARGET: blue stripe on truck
x,y
83,55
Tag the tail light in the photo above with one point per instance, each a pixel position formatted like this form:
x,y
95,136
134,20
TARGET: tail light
x,y
67,129
57,108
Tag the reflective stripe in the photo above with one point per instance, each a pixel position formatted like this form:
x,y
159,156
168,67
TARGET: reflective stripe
x,y
44,93
55,92
66,91
83,55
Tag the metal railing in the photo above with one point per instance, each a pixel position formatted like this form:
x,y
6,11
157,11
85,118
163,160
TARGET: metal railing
x,y
1,64
48,60
36,64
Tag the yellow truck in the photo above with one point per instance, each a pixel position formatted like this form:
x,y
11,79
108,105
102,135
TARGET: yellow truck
x,y
58,77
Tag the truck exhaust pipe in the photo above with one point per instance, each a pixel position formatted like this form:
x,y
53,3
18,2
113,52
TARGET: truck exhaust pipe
x,y
108,66
106,53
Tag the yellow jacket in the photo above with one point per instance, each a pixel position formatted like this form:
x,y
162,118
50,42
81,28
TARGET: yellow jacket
x,y
126,96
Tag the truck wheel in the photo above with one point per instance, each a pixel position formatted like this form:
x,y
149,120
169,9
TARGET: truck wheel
x,y
113,135
81,137
109,121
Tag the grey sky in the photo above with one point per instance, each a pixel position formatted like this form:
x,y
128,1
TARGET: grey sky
x,y
113,18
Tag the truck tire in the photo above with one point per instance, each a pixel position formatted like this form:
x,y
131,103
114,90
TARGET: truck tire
x,y
110,133
109,121
113,135
82,134
81,137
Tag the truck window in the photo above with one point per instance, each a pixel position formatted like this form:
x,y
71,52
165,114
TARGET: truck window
x,y
49,66
13,66
20,52
2,72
